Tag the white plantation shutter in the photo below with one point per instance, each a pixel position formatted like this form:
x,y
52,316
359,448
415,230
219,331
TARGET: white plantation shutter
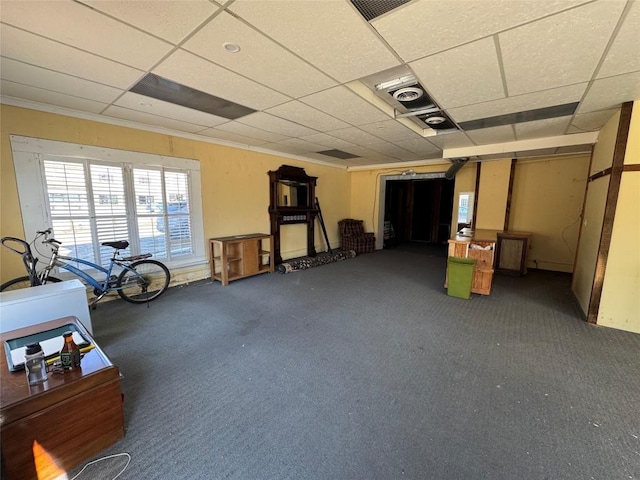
x,y
89,205
91,195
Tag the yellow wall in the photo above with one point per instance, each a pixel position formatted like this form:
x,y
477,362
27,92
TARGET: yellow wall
x,y
546,201
620,301
593,214
235,185
492,194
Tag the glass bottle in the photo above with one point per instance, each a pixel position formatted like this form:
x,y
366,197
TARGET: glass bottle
x,y
70,353
34,364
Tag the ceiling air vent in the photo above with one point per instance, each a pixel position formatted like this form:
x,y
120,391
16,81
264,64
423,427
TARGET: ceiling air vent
x,y
371,9
157,87
338,154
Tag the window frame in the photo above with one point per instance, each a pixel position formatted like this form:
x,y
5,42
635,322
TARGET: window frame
x,y
28,157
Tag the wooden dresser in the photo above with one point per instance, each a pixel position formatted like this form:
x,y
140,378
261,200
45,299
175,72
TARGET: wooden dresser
x,y
50,428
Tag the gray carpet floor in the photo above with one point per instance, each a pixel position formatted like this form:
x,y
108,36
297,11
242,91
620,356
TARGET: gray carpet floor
x,y
366,369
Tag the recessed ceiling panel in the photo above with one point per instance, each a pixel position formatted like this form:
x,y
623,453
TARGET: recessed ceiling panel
x,y
259,57
28,48
58,82
169,91
149,119
590,122
153,17
344,104
273,124
611,92
251,132
552,127
309,30
303,114
335,153
563,49
623,56
520,117
162,108
41,95
389,130
462,76
88,29
487,136
446,24
195,72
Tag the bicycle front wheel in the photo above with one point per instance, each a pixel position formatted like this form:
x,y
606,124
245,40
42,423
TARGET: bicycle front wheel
x,y
23,282
143,281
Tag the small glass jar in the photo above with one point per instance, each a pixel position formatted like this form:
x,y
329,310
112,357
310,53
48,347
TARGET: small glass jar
x,y
34,364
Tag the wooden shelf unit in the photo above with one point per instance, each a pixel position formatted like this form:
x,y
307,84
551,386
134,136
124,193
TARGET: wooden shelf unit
x,y
240,256
463,247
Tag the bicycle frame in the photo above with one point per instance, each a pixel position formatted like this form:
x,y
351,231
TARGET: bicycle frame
x,y
59,261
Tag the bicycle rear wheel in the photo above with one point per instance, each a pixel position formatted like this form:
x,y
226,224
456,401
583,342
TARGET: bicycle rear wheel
x,y
144,281
22,282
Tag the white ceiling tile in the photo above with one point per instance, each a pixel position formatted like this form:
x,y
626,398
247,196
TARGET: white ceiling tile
x,y
18,90
329,141
302,145
343,103
550,127
171,20
273,124
231,137
195,72
259,57
87,29
149,119
420,146
425,27
611,92
451,140
392,150
252,132
389,130
28,48
462,76
303,114
623,56
328,34
563,49
487,136
279,147
548,98
58,82
371,157
590,122
355,136
331,160
134,101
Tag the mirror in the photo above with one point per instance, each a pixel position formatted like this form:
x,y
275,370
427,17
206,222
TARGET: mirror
x,y
292,193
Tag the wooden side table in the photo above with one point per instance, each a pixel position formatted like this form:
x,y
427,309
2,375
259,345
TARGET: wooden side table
x,y
52,427
240,256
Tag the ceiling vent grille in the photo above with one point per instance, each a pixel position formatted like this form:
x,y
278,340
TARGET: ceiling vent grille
x,y
371,9
520,117
338,154
157,87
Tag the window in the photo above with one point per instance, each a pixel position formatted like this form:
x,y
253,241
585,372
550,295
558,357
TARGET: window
x,y
465,208
106,195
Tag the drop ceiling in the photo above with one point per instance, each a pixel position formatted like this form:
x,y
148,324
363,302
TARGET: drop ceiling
x,y
306,72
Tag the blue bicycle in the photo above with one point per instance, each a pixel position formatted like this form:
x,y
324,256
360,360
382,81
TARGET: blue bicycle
x,y
137,279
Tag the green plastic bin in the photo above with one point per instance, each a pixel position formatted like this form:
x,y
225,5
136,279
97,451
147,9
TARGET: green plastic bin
x,y
460,276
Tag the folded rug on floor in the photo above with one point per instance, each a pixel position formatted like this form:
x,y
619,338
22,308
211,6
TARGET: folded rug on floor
x,y
303,263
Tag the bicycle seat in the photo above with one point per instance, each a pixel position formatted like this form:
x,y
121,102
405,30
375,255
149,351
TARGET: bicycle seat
x,y
120,245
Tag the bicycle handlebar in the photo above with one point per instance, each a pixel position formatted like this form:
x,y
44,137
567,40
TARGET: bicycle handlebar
x,y
25,245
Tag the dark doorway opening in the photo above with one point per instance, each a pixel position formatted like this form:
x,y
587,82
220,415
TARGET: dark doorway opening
x,y
419,212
